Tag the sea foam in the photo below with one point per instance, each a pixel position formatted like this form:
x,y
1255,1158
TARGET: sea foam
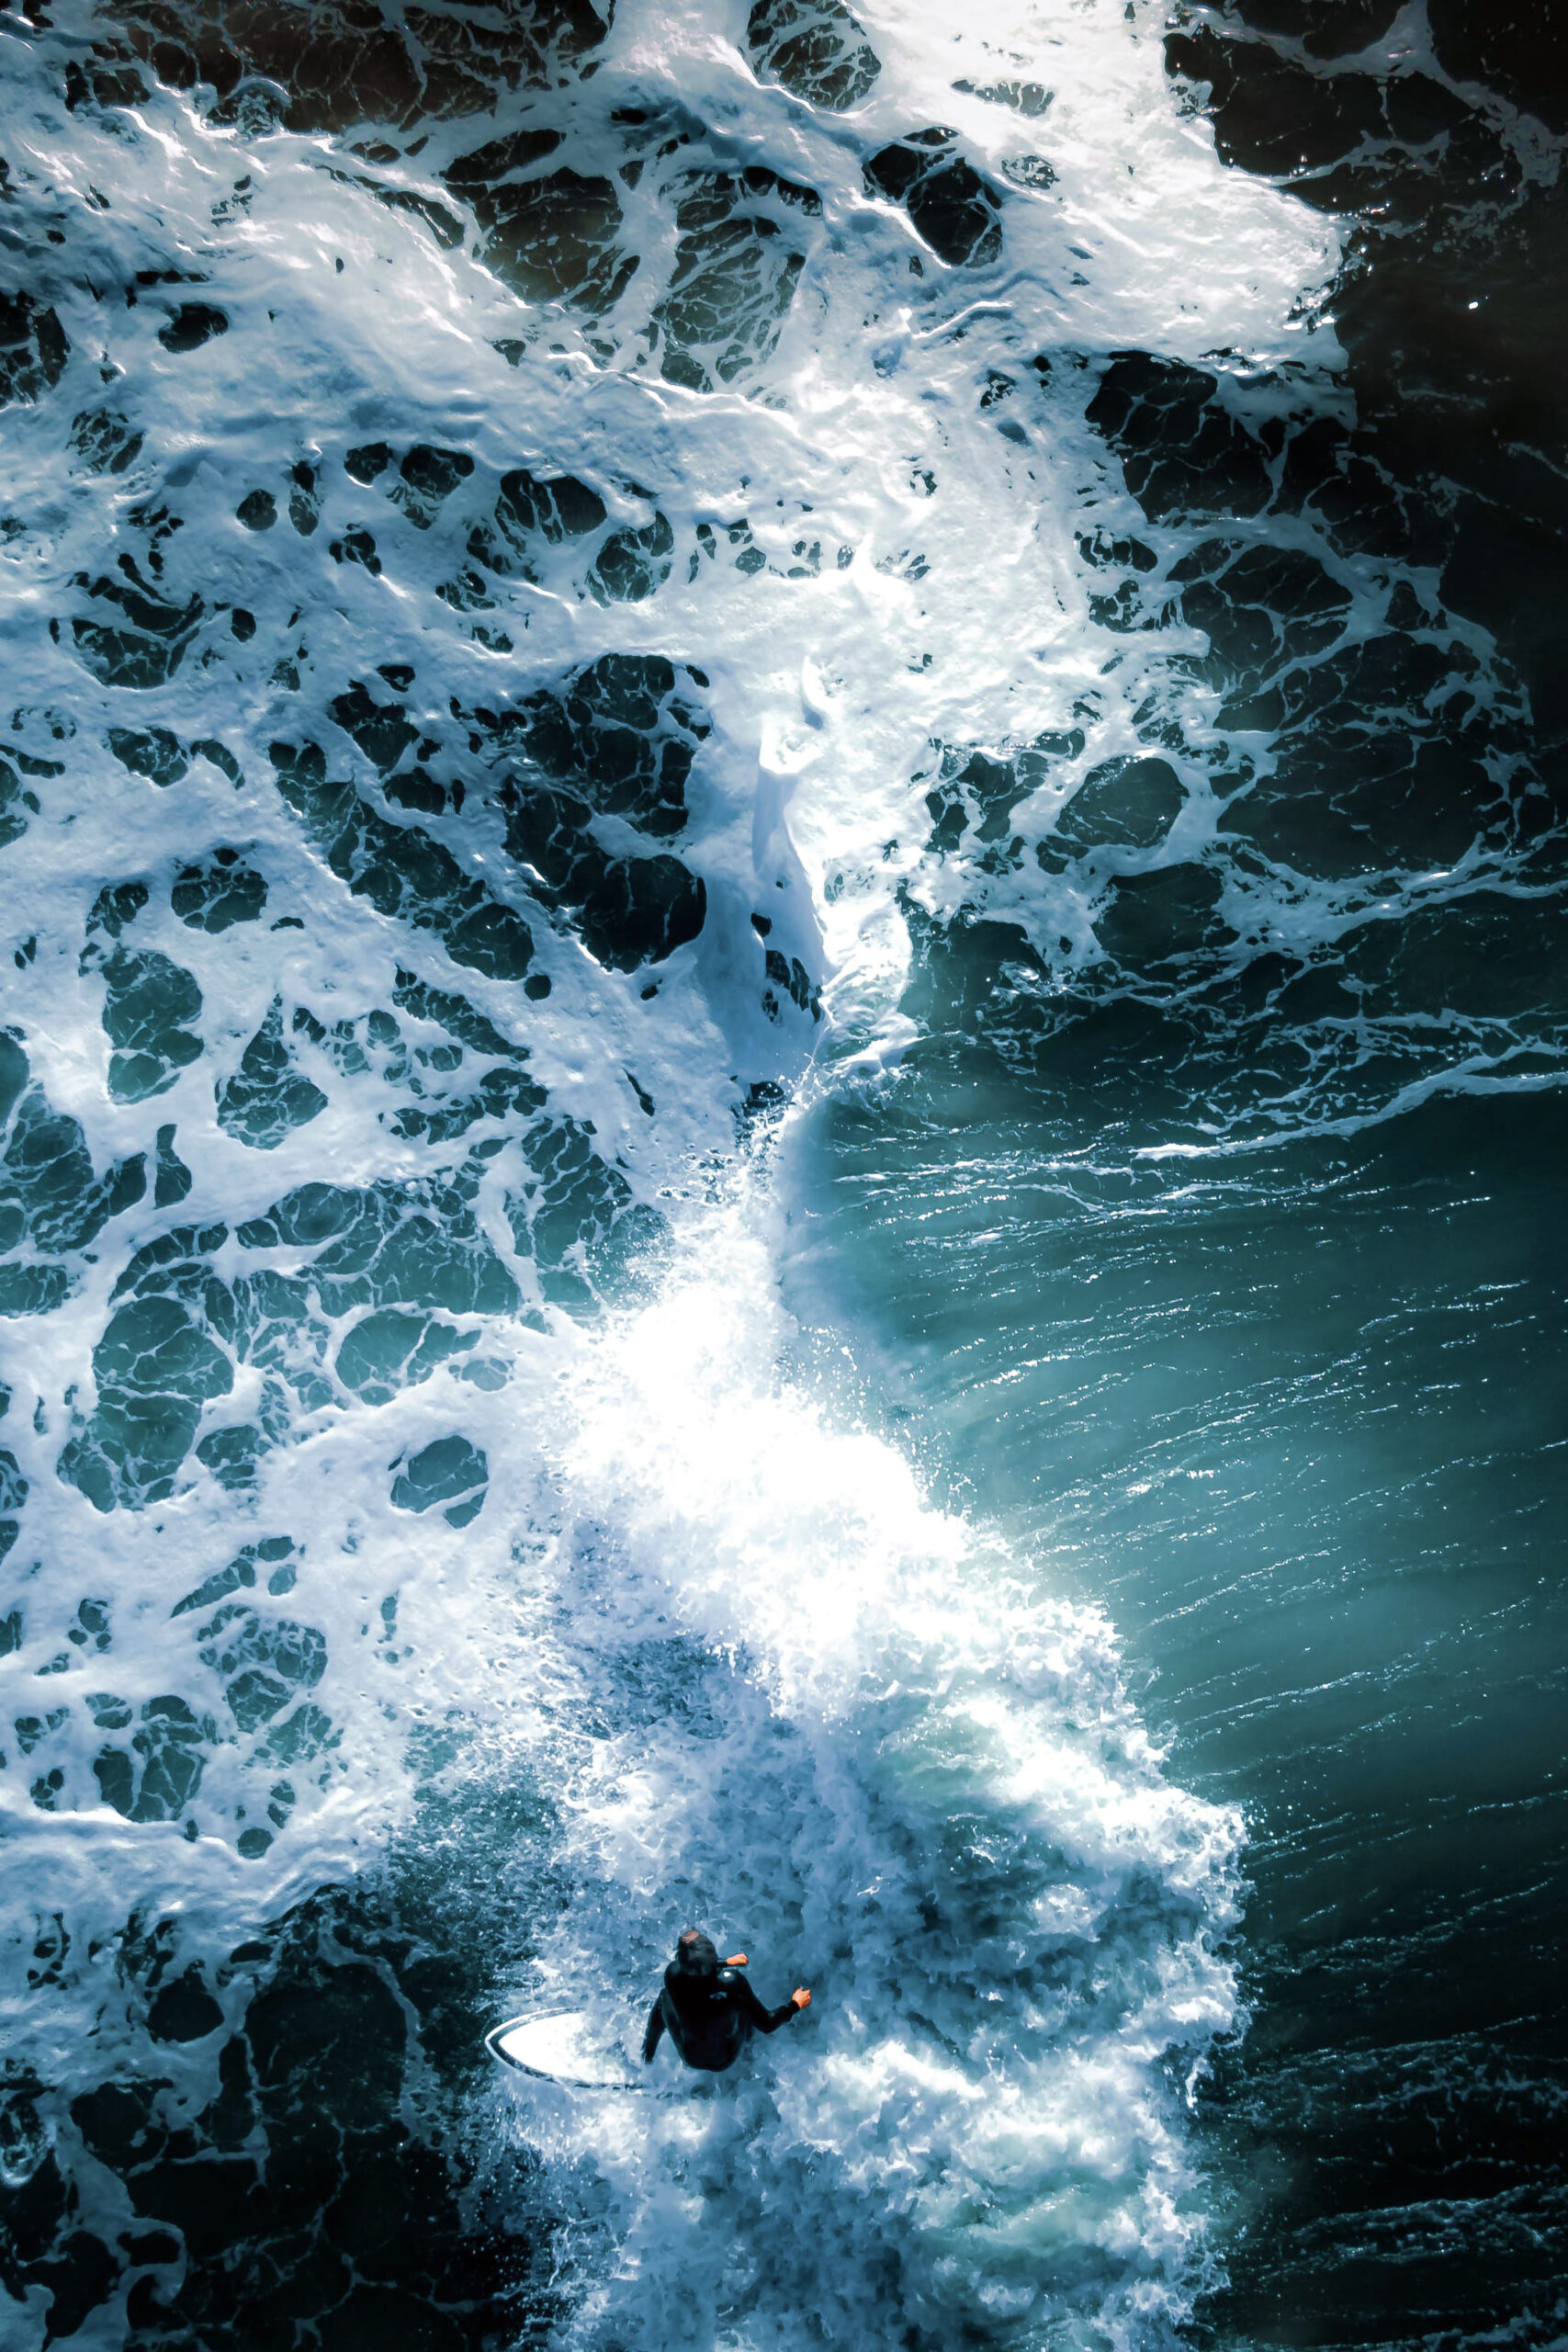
x,y
406,1365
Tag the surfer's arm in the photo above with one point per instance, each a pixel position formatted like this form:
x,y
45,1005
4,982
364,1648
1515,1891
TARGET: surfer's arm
x,y
653,2032
767,2021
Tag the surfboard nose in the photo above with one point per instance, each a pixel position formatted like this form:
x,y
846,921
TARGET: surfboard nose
x,y
564,2046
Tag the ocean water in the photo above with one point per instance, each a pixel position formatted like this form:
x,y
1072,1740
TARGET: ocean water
x,y
780,805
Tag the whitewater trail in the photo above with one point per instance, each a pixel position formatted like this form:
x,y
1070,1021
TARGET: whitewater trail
x,y
828,1721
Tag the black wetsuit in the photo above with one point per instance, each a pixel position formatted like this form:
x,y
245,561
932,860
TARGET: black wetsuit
x,y
710,2018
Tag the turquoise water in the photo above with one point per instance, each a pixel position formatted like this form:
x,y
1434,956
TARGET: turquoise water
x,y
1298,1420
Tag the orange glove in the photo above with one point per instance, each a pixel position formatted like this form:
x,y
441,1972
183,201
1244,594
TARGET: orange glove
x,y
801,1998
736,1959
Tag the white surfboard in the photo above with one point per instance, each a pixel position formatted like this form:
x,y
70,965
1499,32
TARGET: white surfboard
x,y
561,2046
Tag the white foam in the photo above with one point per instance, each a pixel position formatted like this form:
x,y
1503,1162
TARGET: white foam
x,y
884,1759
770,1683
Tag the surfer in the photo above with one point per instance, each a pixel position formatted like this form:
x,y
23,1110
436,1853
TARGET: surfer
x,y
708,2008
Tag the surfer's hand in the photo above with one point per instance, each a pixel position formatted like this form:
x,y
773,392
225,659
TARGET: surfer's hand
x,y
736,1959
801,1998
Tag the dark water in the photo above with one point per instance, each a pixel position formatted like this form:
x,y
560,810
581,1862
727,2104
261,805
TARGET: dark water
x,y
1299,1423
1295,1409
1203,1249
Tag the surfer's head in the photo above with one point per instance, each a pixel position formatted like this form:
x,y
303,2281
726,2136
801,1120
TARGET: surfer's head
x,y
695,1954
